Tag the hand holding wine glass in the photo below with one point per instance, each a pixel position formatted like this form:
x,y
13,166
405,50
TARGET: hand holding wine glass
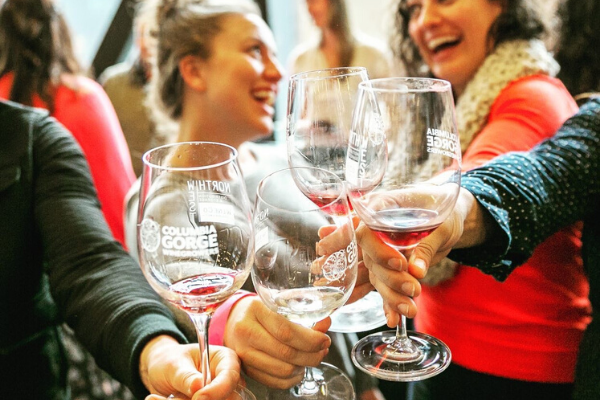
x,y
194,230
289,275
320,105
411,120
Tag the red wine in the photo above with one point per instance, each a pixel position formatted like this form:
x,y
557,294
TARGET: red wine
x,y
328,202
404,227
210,284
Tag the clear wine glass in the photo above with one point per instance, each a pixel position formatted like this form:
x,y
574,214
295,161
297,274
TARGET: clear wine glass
x,y
320,105
404,130
289,275
195,234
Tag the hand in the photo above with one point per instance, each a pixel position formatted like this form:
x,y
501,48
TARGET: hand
x,y
167,367
333,239
389,273
468,225
273,350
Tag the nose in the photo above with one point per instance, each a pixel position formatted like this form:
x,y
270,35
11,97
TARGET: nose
x,y
273,69
429,15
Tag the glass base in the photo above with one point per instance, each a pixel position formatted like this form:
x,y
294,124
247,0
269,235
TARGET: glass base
x,y
329,383
363,315
374,355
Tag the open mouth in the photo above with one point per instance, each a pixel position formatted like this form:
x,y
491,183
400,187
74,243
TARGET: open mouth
x,y
265,96
442,43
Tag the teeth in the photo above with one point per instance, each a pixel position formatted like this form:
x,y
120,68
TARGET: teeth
x,y
265,95
437,42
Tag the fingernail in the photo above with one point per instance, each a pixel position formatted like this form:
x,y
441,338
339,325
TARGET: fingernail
x,y
408,289
403,308
395,263
419,264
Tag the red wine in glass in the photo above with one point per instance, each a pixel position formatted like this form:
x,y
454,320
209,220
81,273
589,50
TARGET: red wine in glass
x,y
404,227
328,203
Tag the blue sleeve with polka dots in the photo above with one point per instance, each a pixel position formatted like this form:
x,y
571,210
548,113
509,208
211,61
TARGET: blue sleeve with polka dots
x,y
533,194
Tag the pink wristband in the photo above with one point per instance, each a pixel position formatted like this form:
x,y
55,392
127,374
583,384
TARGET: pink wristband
x,y
219,318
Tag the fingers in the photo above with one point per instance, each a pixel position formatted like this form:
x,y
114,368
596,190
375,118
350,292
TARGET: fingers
x,y
334,238
291,334
323,325
225,370
375,248
363,285
396,287
273,350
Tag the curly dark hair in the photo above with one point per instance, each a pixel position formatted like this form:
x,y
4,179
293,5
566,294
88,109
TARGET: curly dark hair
x,y
35,45
520,19
576,51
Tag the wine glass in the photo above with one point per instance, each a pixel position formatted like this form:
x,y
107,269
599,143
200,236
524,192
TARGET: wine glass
x,y
289,275
403,130
195,234
320,105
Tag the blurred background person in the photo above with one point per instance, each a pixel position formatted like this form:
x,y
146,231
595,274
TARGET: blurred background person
x,y
337,45
38,68
126,83
575,48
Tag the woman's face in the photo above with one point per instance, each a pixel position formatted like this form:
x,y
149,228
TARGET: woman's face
x,y
452,36
319,11
242,74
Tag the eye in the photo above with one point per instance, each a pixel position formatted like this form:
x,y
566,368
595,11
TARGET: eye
x,y
255,51
413,10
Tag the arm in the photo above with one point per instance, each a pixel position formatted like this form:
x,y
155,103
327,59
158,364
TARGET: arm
x,y
556,185
98,288
531,195
521,109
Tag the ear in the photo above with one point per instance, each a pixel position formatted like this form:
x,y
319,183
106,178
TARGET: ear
x,y
191,68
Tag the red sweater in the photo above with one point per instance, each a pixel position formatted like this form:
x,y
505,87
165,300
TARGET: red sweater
x,y
89,115
528,327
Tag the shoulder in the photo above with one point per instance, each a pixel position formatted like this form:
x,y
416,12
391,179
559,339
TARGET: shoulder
x,y
538,94
302,56
370,45
536,88
115,72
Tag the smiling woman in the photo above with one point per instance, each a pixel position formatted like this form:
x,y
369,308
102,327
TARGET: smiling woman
x,y
519,338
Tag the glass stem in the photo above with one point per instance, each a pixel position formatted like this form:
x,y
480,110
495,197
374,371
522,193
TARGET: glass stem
x,y
403,346
308,386
201,322
401,329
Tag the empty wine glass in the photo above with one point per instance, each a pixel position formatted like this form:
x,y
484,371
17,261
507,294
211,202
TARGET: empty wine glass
x,y
289,275
320,105
195,235
404,131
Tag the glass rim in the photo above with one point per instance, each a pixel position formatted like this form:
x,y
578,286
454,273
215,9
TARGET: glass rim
x,y
326,73
147,155
386,85
341,195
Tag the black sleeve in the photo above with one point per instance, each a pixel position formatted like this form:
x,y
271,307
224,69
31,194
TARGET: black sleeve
x,y
533,194
99,289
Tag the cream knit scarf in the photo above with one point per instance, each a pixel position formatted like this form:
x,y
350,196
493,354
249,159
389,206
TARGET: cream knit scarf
x,y
508,62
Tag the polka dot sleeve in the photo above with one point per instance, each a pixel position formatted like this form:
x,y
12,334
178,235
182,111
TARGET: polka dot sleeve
x,y
533,194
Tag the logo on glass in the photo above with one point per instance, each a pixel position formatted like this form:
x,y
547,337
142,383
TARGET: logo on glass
x,y
150,235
